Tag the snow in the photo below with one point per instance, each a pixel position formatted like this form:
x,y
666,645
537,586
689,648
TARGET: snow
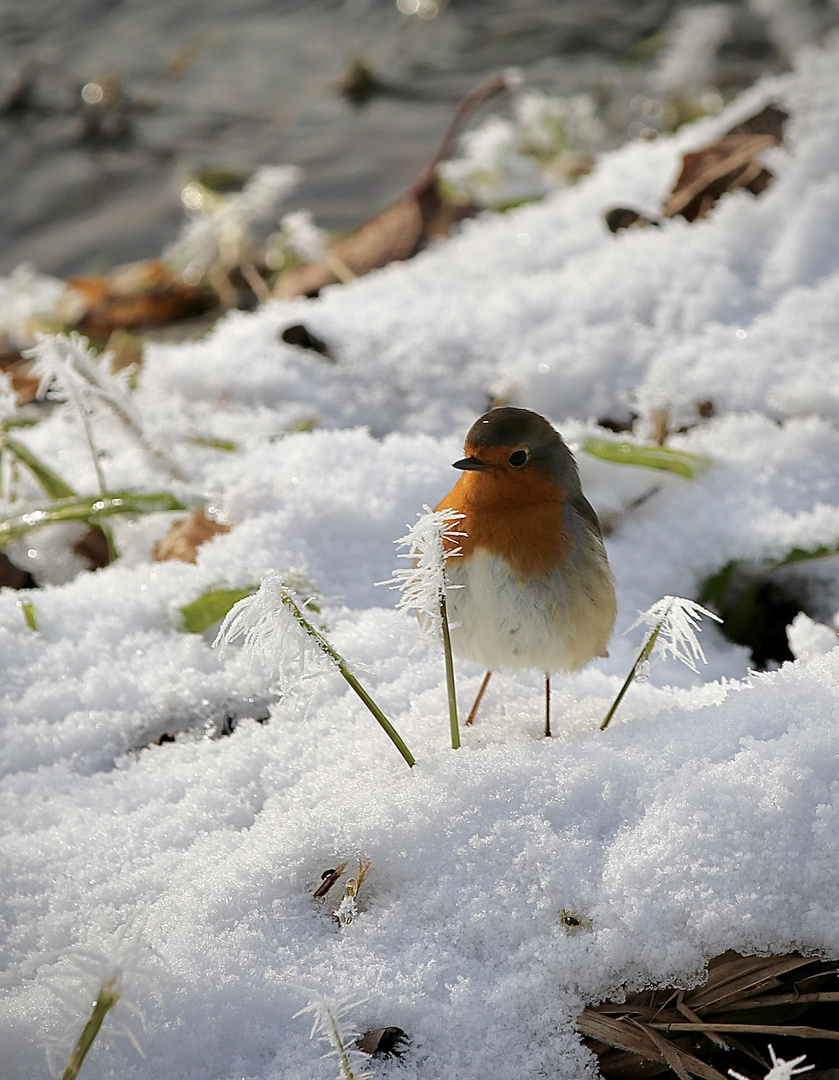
x,y
706,817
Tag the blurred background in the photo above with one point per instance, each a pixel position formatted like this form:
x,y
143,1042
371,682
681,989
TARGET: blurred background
x,y
110,108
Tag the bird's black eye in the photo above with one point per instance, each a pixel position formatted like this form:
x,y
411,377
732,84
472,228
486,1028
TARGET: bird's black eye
x,y
518,458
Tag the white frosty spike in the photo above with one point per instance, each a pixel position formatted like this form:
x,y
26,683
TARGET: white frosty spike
x,y
424,582
678,619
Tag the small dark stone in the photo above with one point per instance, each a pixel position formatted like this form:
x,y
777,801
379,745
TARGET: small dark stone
x,y
359,83
303,337
622,217
12,577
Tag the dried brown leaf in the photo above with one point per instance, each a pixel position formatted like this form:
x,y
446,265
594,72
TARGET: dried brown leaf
x,y
641,1040
729,163
329,877
401,229
382,1042
186,536
732,976
92,546
799,1031
668,1051
707,173
138,294
18,370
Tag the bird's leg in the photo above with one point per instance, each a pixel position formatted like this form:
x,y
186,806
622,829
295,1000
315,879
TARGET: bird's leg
x,y
547,706
473,711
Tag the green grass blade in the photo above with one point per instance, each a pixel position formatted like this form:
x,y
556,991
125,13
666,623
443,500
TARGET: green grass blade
x,y
450,684
28,611
211,608
51,483
649,457
227,445
88,508
105,1001
343,667
643,656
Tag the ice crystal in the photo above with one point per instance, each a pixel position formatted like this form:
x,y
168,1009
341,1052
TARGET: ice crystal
x,y
675,621
329,1024
269,630
781,1070
430,541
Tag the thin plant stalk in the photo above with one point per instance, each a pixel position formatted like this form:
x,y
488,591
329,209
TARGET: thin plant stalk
x,y
100,476
107,997
342,666
450,686
334,1036
643,656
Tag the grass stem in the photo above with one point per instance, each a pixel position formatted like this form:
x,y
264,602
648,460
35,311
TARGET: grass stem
x,y
642,657
342,666
450,686
107,997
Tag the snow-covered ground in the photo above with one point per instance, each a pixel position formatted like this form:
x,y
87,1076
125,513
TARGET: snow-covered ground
x,y
706,817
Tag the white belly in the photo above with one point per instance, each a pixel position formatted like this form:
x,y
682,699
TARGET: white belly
x,y
549,624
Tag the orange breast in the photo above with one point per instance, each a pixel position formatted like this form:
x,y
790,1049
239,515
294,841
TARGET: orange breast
x,y
517,515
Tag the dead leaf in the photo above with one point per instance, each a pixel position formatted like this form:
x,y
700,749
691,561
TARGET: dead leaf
x,y
93,547
138,294
328,879
359,83
18,370
744,1003
769,121
404,227
186,536
730,163
382,1042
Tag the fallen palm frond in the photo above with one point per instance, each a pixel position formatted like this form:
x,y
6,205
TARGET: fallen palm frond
x,y
725,1023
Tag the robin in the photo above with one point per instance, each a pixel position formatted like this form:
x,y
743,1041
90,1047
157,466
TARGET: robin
x,y
532,588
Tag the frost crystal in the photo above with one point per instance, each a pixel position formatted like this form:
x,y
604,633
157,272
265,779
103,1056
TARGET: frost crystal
x,y
330,1027
66,365
221,227
269,629
107,979
304,237
508,161
29,300
430,541
781,1070
69,365
677,623
8,399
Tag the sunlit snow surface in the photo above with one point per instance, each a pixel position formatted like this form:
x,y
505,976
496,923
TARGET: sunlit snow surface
x,y
706,816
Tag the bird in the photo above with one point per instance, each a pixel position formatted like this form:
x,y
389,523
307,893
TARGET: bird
x,y
529,585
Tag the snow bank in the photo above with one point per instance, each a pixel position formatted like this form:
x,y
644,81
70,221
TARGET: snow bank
x,y
703,819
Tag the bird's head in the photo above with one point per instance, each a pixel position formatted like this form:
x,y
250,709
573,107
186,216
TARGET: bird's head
x,y
518,446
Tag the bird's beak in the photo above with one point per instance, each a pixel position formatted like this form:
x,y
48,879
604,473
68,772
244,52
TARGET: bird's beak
x,y
470,463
